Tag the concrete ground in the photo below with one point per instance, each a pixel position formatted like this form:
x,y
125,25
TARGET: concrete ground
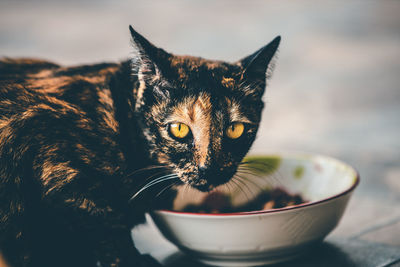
x,y
335,89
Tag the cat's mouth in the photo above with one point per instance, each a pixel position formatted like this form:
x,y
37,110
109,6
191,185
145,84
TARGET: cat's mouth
x,y
206,187
207,184
206,179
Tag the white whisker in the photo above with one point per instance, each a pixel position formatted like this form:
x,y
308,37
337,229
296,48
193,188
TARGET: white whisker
x,y
154,182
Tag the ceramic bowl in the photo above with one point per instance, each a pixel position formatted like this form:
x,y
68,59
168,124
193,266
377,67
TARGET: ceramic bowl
x,y
267,236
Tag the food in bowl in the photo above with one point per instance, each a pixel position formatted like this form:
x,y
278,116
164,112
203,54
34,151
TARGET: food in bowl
x,y
219,202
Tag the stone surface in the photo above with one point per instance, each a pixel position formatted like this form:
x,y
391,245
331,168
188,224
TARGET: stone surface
x,y
388,233
392,179
364,213
333,253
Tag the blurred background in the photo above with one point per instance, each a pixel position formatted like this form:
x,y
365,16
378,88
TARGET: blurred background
x,y
335,88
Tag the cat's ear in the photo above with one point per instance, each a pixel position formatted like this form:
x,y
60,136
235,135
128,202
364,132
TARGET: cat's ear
x,y
257,67
148,61
147,57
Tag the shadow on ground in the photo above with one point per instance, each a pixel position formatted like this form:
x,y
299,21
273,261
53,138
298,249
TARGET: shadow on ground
x,y
325,254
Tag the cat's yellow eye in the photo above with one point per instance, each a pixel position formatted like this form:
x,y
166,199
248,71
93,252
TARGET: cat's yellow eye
x,y
179,130
235,130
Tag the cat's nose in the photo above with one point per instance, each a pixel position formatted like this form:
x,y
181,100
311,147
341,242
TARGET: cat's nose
x,y
207,172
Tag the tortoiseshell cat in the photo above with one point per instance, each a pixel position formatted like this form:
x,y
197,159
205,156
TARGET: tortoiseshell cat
x,y
76,143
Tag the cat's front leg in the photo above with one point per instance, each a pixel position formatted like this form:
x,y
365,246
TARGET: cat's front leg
x,y
117,250
104,228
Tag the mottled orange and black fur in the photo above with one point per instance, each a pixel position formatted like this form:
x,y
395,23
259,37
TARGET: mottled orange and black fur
x,y
77,142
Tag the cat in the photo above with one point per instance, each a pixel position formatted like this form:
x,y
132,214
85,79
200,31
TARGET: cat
x,y
76,143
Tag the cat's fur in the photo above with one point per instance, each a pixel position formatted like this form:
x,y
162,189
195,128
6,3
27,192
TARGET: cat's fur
x,y
72,140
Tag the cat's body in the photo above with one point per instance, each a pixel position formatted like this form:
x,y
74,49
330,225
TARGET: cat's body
x,y
72,138
62,121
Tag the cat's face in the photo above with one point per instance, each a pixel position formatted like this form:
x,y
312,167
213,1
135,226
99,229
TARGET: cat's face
x,y
199,117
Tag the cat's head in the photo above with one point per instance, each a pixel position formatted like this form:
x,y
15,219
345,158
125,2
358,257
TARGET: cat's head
x,y
199,117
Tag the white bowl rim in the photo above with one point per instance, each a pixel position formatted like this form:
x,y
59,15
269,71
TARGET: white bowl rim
x,y
258,212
